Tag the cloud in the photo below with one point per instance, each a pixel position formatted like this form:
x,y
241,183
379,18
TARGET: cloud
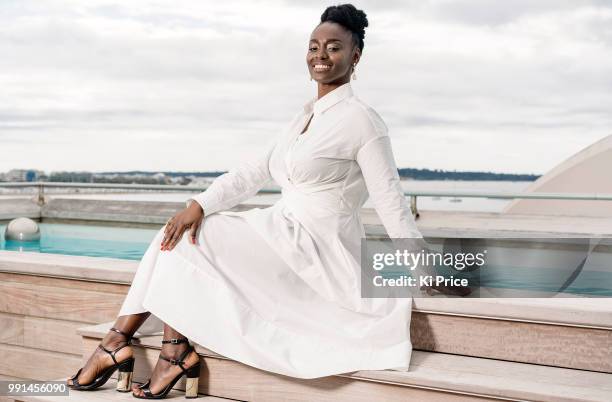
x,y
141,84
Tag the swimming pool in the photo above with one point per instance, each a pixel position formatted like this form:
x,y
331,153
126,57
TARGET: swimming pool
x,y
506,267
87,240
532,269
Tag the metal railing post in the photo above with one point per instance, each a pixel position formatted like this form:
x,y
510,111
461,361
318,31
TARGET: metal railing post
x,y
41,194
413,206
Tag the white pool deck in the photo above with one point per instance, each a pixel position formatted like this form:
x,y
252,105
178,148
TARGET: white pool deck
x,y
446,223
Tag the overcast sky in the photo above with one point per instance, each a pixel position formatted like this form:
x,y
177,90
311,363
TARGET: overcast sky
x,y
504,86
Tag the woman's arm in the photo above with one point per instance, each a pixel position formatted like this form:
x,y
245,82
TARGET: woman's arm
x,y
377,163
375,157
237,185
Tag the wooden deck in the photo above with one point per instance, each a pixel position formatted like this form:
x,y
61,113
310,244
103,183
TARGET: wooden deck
x,y
55,308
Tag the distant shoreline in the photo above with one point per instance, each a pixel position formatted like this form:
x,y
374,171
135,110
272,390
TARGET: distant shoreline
x,y
405,173
428,174
160,177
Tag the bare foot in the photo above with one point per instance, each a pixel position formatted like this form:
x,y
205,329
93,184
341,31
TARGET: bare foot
x,y
100,360
164,371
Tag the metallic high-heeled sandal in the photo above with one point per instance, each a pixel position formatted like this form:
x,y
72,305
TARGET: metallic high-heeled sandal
x,y
192,373
125,367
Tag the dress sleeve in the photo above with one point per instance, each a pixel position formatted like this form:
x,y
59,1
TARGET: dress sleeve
x,y
237,185
377,163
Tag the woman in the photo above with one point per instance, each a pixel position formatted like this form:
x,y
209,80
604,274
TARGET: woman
x,y
278,288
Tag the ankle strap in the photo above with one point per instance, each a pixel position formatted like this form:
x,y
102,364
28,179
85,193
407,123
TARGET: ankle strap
x,y
179,362
176,341
127,336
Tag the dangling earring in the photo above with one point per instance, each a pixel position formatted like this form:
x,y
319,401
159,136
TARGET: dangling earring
x,y
354,75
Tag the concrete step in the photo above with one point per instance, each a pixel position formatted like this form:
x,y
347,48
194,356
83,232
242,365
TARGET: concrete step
x,y
432,377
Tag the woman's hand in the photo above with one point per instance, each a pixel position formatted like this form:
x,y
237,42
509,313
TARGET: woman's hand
x,y
189,218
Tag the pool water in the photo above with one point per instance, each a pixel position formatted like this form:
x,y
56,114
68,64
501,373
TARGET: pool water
x,y
535,270
536,267
87,240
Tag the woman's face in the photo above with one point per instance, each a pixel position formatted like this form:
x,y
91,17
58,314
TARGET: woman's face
x,y
331,54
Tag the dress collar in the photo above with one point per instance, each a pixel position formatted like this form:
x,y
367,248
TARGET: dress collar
x,y
329,99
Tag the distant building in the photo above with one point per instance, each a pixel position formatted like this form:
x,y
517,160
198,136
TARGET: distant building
x,y
23,175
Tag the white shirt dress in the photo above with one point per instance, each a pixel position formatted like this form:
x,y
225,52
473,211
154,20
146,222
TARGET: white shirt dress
x,y
278,288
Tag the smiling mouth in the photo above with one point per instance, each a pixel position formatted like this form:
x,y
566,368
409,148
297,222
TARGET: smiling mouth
x,y
321,68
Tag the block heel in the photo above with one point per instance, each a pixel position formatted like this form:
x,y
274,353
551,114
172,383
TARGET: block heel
x,y
126,367
192,373
191,385
126,371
